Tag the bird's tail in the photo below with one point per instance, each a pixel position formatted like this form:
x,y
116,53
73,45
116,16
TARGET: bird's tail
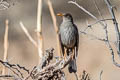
x,y
72,66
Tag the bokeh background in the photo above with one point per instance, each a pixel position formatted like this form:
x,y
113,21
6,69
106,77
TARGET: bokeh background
x,y
93,56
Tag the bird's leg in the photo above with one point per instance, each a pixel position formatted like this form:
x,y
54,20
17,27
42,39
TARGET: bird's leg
x,y
73,53
61,53
65,53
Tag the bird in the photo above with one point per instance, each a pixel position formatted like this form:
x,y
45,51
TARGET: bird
x,y
69,39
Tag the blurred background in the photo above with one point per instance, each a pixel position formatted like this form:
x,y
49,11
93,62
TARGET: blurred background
x,y
93,56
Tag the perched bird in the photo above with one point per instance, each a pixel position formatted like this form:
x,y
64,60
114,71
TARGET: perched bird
x,y
69,39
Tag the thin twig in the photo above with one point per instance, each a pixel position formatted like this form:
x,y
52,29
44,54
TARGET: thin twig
x,y
12,68
98,9
86,11
15,68
110,47
9,77
5,44
27,34
77,76
95,37
101,74
99,22
91,25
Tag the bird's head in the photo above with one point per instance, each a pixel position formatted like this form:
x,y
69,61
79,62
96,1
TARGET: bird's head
x,y
66,16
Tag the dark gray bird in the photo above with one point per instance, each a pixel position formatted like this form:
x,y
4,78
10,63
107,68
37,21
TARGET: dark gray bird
x,y
69,39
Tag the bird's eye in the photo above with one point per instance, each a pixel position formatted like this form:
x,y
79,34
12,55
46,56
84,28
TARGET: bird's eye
x,y
67,16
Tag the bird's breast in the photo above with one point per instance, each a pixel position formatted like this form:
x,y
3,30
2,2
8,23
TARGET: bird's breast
x,y
68,36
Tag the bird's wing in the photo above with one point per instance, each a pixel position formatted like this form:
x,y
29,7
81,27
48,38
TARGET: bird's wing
x,y
77,41
62,47
77,45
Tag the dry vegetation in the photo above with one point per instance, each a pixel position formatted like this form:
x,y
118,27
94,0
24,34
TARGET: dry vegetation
x,y
46,69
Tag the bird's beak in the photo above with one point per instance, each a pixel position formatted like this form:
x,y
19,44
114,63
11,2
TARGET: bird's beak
x,y
60,14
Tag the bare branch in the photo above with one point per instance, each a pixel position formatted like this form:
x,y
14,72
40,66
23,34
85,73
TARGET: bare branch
x,y
102,23
103,20
11,67
115,24
95,37
107,41
86,11
39,30
27,34
15,68
98,9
